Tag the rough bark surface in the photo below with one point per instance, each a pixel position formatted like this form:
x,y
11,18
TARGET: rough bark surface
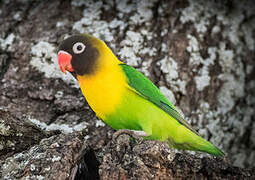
x,y
199,53
17,135
56,157
124,159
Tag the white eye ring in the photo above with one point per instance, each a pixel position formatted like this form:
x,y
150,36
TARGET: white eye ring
x,y
78,48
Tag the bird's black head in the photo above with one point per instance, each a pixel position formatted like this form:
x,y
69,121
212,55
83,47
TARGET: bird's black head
x,y
78,54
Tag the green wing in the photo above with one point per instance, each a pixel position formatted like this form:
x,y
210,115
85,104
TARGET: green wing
x,y
144,87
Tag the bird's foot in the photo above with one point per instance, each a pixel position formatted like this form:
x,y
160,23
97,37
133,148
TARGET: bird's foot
x,y
135,134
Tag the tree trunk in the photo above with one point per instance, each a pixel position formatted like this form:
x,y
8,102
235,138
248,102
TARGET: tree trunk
x,y
199,53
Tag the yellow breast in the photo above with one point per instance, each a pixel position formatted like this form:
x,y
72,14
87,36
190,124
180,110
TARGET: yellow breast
x,y
104,88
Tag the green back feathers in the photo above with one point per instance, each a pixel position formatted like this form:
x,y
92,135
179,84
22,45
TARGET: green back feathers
x,y
145,88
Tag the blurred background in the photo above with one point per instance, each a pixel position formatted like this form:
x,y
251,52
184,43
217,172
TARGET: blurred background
x,y
201,54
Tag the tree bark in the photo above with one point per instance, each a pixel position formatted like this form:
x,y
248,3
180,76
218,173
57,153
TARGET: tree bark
x,y
199,53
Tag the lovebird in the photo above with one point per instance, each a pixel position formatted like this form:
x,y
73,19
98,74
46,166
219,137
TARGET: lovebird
x,y
124,98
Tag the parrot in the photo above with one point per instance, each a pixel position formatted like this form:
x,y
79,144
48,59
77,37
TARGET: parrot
x,y
124,98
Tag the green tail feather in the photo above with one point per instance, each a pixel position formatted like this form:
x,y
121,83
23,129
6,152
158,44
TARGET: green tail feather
x,y
203,147
191,141
211,149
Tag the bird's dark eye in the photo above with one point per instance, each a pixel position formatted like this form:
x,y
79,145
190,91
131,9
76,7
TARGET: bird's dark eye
x,y
78,47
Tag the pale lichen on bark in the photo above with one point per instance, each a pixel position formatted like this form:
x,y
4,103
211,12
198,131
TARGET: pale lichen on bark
x,y
199,53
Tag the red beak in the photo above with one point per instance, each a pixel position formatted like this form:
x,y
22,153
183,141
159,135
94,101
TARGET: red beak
x,y
64,61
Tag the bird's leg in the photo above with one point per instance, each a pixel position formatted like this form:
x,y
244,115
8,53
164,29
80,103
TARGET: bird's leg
x,y
133,133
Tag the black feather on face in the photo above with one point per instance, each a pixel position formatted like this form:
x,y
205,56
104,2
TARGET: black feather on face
x,y
84,54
